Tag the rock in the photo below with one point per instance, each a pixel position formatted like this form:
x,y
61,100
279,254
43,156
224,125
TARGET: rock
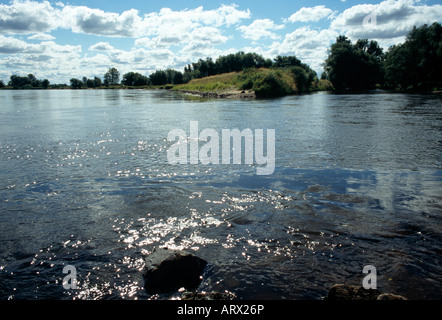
x,y
170,270
208,296
390,296
341,292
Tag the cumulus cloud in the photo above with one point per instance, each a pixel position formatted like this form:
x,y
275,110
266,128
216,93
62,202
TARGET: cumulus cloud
x,y
259,29
41,36
98,22
101,46
308,14
10,45
206,36
25,17
171,38
308,45
386,20
46,59
168,21
225,15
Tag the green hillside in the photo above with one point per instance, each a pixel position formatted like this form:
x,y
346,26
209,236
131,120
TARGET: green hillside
x,y
264,82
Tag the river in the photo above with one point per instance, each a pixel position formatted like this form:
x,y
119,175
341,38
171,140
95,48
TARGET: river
x,y
86,181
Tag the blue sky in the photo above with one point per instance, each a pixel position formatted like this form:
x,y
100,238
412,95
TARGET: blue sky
x,y
59,40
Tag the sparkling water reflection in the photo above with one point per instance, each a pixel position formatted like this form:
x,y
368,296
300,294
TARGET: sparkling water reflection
x,y
85,182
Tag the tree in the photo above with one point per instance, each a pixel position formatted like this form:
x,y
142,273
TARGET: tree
x,y
97,82
284,62
134,79
158,78
112,77
45,83
2,85
28,82
174,77
417,63
301,78
76,83
354,67
89,83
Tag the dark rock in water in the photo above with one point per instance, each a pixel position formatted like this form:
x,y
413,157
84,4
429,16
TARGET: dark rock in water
x,y
390,296
169,270
208,296
348,292
341,292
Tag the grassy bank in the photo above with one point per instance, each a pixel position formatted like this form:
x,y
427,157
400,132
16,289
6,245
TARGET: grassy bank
x,y
263,82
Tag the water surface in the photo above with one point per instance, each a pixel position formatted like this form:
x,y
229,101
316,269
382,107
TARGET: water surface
x,y
85,181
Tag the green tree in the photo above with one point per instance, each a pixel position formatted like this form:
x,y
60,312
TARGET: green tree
x,y
76,83
284,62
90,83
302,79
134,79
354,67
28,82
45,83
97,82
174,77
158,78
112,77
417,63
2,84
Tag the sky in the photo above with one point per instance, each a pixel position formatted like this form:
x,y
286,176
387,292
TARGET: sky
x,y
60,40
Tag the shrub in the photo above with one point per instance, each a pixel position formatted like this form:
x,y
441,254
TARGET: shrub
x,y
269,86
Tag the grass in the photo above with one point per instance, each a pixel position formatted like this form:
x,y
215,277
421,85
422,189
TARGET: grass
x,y
264,82
217,83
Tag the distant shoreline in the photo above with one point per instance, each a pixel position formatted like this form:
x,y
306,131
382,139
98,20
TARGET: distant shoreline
x,y
230,93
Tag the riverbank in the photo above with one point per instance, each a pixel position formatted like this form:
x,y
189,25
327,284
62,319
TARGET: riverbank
x,y
249,84
226,94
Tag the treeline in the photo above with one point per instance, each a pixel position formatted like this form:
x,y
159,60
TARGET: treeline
x,y
414,65
27,82
417,63
224,64
131,79
239,61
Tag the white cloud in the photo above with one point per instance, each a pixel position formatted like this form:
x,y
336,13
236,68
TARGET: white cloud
x,y
43,59
101,46
259,29
200,35
11,45
41,36
168,22
393,20
98,22
225,15
24,17
207,35
173,38
310,14
310,46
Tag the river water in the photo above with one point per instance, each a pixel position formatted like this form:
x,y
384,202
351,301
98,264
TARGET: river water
x,y
85,181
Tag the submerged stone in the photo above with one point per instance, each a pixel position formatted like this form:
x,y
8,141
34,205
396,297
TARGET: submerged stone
x,y
170,270
340,292
208,296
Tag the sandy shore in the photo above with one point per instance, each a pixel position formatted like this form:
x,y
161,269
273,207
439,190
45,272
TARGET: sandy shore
x,y
228,94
